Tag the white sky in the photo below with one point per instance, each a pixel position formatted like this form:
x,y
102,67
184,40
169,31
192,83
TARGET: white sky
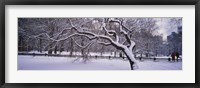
x,y
164,27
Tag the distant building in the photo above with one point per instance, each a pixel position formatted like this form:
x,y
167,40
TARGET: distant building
x,y
179,29
174,34
170,37
175,41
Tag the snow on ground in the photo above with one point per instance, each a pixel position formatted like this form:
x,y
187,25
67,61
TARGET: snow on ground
x,y
68,63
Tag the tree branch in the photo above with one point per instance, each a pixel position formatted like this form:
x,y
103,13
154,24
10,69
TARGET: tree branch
x,y
83,47
103,43
132,43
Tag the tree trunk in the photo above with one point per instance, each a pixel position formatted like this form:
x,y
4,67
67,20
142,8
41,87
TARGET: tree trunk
x,y
131,59
55,50
40,45
61,49
71,47
49,49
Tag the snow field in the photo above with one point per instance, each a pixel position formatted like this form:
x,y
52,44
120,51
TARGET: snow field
x,y
73,63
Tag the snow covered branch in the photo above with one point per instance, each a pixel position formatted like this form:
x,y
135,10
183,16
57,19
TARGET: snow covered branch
x,y
104,43
111,33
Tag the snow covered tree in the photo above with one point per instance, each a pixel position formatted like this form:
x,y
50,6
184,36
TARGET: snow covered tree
x,y
105,35
84,35
111,37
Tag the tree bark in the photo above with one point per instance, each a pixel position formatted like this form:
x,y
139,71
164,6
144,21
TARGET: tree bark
x,y
131,59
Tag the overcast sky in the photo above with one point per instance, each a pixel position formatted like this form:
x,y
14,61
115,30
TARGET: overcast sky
x,y
165,27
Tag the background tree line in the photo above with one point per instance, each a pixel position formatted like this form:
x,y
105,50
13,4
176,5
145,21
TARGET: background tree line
x,y
34,34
